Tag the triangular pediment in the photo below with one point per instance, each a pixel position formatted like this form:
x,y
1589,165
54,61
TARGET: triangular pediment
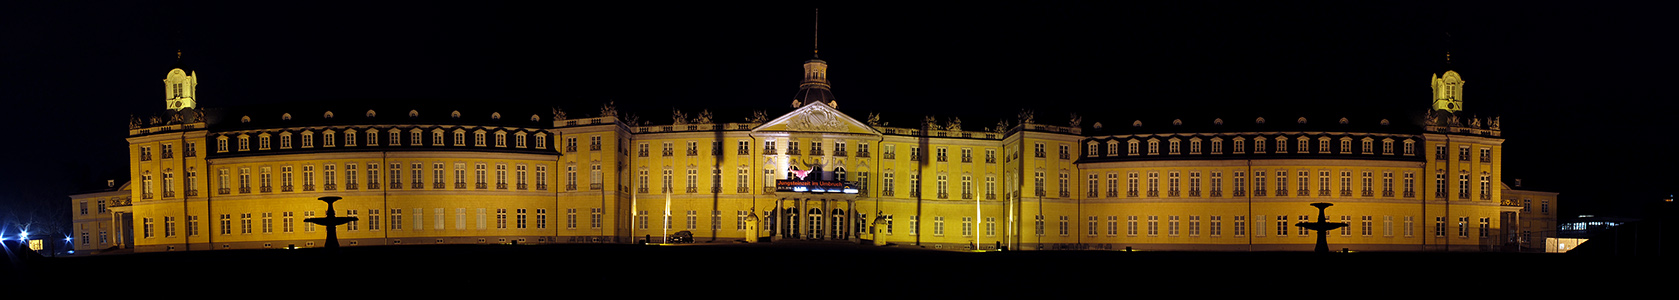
x,y
817,117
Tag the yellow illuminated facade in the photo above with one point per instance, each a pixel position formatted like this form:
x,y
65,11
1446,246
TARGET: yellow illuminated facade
x,y
243,178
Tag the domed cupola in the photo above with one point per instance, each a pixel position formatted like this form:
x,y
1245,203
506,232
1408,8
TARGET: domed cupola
x,y
180,86
814,87
1448,89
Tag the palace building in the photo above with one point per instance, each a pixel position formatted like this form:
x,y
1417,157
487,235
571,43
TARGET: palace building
x,y
431,173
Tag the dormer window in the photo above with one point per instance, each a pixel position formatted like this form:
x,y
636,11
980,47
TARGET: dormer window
x,y
1131,147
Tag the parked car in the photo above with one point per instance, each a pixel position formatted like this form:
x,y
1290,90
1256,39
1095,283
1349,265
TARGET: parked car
x,y
680,237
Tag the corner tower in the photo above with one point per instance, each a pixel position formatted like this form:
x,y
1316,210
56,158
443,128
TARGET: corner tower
x,y
180,86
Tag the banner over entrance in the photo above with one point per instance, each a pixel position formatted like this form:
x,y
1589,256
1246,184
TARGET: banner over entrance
x,y
815,186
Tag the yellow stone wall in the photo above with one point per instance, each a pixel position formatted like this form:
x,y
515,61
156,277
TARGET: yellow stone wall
x,y
604,180
94,226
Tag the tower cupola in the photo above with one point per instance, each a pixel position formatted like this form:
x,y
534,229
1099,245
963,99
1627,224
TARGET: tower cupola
x,y
180,86
815,86
1448,90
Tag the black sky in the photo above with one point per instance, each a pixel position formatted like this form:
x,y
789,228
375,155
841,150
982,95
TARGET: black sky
x,y
1579,87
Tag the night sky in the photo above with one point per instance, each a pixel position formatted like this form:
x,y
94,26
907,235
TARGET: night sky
x,y
1579,89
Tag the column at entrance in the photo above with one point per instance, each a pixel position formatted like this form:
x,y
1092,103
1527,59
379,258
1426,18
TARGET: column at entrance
x,y
799,224
851,220
823,214
778,229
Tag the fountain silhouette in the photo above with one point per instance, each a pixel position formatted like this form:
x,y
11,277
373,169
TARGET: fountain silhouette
x,y
1322,226
331,221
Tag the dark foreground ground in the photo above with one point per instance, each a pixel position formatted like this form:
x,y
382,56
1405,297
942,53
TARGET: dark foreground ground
x,y
841,268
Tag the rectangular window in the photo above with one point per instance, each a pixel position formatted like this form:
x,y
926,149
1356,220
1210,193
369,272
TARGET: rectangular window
x,y
483,216
1365,226
1090,226
571,218
914,224
519,220
1154,225
1130,225
1171,225
1194,225
1064,228
595,218
1387,226
396,213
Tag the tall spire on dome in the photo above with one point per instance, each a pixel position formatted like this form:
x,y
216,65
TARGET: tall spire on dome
x,y
814,87
815,34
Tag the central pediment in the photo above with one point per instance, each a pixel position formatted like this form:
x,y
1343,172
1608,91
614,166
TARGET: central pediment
x,y
817,117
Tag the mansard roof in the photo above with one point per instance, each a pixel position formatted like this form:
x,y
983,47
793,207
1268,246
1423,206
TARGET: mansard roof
x,y
1193,122
440,112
